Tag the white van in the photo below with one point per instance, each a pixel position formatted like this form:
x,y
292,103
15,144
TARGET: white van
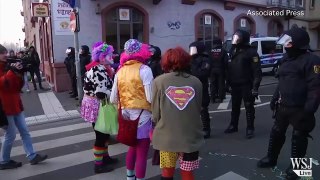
x,y
270,53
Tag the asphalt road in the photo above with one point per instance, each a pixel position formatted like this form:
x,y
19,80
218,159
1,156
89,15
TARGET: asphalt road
x,y
230,157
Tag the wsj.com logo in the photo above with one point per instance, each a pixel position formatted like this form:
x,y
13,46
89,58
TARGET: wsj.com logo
x,y
302,167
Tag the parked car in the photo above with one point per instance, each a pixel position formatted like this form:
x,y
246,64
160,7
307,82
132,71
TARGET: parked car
x,y
270,53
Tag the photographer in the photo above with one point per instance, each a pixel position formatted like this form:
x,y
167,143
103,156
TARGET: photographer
x,y
10,85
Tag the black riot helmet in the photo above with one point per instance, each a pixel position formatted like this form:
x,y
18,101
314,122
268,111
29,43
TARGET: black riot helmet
x,y
240,38
217,42
197,47
295,38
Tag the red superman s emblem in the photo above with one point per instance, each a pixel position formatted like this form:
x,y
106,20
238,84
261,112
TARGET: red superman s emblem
x,y
180,96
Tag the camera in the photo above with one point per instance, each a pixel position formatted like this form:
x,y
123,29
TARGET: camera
x,y
23,61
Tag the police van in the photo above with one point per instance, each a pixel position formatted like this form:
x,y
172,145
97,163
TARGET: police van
x,y
270,53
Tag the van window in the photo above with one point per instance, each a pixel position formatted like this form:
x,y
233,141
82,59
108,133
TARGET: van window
x,y
255,44
270,47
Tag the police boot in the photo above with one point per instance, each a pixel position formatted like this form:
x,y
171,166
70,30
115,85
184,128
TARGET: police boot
x,y
250,124
205,118
276,142
299,145
233,127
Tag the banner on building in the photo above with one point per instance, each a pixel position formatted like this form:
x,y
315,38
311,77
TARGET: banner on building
x,y
40,9
61,17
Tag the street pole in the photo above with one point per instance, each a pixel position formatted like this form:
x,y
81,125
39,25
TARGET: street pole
x,y
77,59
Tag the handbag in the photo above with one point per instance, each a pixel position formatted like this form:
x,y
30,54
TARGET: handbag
x,y
107,122
3,117
128,129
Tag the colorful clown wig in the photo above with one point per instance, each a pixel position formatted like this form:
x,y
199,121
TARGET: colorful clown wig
x,y
135,50
102,52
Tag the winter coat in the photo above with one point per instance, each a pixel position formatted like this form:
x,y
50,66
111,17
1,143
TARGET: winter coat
x,y
10,87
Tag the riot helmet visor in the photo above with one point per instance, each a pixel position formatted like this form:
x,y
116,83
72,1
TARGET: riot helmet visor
x,y
285,40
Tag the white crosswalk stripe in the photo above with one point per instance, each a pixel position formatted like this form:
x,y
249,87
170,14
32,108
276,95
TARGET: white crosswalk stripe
x,y
64,161
225,103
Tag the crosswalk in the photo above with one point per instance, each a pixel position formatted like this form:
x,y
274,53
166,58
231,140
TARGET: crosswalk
x,y
69,147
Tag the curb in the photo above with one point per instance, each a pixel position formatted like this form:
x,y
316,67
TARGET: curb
x,y
44,119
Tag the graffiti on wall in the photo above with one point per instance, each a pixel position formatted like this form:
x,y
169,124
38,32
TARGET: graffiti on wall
x,y
174,25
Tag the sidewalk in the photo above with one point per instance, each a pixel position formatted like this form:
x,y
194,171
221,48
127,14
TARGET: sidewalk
x,y
43,106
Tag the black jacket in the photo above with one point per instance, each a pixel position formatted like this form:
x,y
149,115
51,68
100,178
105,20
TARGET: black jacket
x,y
244,67
219,59
70,64
34,60
85,59
201,68
299,82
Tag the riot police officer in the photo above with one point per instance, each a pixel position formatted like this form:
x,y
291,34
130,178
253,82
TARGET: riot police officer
x,y
244,77
200,67
219,59
295,100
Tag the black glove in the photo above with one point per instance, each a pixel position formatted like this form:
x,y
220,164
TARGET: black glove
x,y
255,93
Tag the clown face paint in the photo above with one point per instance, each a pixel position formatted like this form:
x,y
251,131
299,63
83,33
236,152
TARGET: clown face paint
x,y
108,59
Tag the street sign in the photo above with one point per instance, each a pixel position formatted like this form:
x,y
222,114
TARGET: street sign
x,y
74,21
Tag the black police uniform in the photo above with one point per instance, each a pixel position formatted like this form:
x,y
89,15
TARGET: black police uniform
x,y
218,68
295,101
200,68
244,77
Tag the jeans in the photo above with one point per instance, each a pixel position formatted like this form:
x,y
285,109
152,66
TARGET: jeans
x,y
10,135
26,83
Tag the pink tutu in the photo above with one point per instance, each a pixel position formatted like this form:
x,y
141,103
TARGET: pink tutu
x,y
90,109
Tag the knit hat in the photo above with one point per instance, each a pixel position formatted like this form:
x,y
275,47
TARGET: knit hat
x,y
3,49
132,46
135,50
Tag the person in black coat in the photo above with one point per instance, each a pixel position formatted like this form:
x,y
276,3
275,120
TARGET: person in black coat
x,y
85,59
295,99
154,61
201,67
218,70
243,76
69,62
34,59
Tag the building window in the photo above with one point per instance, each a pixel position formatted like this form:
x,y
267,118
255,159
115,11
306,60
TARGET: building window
x,y
124,23
275,28
300,3
208,27
312,3
244,22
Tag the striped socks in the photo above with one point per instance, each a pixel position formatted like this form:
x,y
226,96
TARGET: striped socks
x,y
99,153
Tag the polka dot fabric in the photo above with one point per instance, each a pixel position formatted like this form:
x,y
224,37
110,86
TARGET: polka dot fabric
x,y
169,160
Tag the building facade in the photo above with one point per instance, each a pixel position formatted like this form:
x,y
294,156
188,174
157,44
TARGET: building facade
x,y
164,23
